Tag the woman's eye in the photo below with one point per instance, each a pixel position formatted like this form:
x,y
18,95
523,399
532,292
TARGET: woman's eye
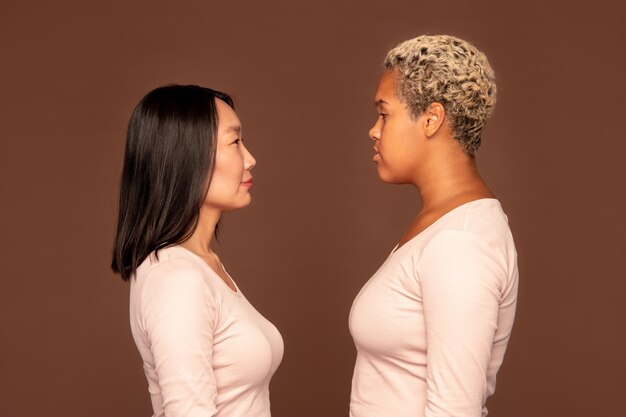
x,y
236,141
383,115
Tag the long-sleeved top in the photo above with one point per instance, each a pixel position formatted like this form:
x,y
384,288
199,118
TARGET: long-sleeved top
x,y
432,325
206,351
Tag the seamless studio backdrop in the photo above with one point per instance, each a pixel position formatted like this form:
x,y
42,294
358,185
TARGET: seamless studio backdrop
x,y
303,76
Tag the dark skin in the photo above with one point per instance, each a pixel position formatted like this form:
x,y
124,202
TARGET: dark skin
x,y
422,152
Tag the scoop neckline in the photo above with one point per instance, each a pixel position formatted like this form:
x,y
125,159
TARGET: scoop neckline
x,y
439,219
198,258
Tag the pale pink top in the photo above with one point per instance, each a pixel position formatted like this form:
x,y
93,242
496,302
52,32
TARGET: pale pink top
x,y
206,351
431,326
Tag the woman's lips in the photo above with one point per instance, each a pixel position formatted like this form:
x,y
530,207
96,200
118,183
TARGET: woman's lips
x,y
247,183
376,157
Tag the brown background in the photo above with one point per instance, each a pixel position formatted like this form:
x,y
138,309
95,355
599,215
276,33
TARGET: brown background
x,y
303,75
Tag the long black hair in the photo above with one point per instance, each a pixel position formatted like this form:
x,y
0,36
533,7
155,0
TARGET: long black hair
x,y
168,164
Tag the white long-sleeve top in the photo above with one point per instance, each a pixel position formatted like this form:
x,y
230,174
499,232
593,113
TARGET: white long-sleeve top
x,y
432,325
206,351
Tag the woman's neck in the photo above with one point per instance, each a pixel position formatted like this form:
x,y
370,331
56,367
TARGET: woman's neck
x,y
451,181
200,240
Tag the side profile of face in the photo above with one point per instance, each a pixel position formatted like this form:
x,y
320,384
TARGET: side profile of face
x,y
232,180
398,139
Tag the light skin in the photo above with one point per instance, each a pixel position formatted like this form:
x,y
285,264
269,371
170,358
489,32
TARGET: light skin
x,y
229,188
423,152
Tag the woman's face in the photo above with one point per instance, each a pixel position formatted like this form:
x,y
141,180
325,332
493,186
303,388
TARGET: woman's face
x,y
231,181
397,137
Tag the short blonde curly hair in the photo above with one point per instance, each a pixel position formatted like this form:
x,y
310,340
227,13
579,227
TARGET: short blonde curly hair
x,y
450,71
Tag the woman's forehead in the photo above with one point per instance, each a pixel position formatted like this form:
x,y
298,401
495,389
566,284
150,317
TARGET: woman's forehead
x,y
228,120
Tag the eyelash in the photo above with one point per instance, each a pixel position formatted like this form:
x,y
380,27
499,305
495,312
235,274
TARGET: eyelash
x,y
236,141
383,115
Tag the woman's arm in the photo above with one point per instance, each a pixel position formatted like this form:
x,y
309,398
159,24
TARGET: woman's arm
x,y
179,311
461,277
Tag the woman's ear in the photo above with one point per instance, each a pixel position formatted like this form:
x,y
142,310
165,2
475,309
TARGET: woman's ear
x,y
434,115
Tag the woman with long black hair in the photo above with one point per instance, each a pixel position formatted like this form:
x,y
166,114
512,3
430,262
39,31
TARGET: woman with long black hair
x,y
206,351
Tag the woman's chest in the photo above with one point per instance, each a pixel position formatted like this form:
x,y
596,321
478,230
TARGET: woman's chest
x,y
246,346
387,314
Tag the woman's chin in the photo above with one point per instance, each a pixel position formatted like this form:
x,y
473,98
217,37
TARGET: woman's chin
x,y
246,201
389,178
384,175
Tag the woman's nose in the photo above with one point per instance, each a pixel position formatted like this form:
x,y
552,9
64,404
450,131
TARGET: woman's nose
x,y
249,161
374,132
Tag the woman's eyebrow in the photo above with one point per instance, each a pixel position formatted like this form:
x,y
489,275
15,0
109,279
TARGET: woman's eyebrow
x,y
379,102
236,129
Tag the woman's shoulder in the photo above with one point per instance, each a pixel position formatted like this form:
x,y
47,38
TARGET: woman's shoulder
x,y
475,217
483,218
478,223
479,227
486,219
170,263
169,283
477,240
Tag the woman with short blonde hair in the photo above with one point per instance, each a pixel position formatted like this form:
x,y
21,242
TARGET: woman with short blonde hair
x,y
432,325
